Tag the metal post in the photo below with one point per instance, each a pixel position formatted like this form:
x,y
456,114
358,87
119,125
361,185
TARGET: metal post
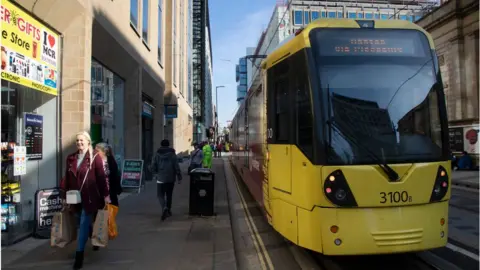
x,y
216,111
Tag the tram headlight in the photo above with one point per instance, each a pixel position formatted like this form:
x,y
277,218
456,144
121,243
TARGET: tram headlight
x,y
440,188
340,194
337,191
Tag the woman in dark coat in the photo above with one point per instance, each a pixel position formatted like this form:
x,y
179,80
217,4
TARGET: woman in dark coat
x,y
86,167
111,169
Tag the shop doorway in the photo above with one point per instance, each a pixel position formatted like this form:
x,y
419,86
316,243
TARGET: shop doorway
x,y
147,139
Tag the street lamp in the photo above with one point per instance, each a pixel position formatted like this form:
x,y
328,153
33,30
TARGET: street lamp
x,y
216,111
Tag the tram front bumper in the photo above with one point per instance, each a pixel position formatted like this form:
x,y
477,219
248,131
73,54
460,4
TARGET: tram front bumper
x,y
384,230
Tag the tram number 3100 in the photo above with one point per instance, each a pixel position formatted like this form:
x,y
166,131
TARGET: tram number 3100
x,y
395,197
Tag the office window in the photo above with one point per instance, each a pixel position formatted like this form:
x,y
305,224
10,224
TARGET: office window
x,y
145,17
134,13
159,31
360,15
417,17
340,14
174,18
315,15
297,17
409,18
306,15
384,16
174,62
352,15
403,17
331,14
377,16
324,14
174,43
181,49
368,15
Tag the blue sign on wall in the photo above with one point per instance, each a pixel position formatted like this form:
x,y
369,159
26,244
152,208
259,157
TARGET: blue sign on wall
x,y
147,110
171,111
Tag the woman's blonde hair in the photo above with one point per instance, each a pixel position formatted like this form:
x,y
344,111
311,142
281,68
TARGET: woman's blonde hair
x,y
89,139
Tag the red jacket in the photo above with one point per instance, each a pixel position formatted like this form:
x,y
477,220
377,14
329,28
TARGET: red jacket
x,y
95,188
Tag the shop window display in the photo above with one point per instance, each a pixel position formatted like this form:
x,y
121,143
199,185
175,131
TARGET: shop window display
x,y
107,109
20,105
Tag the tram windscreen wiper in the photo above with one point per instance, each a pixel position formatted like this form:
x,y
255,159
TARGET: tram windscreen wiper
x,y
392,174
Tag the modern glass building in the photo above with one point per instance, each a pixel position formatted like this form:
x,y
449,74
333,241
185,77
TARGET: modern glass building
x,y
241,78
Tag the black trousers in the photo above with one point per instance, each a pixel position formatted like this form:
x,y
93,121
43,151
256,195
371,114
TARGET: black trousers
x,y
164,194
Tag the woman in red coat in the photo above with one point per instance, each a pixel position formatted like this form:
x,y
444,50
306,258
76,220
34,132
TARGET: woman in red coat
x,y
85,172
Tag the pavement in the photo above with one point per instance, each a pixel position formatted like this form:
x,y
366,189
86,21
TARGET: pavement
x,y
144,241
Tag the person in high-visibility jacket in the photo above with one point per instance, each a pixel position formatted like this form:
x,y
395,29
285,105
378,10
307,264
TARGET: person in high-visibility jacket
x,y
207,156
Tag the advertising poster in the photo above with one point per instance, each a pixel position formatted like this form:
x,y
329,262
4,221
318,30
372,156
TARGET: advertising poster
x,y
471,144
34,136
29,50
19,160
132,173
47,203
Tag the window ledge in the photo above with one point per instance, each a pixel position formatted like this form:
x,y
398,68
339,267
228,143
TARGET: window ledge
x,y
146,44
135,29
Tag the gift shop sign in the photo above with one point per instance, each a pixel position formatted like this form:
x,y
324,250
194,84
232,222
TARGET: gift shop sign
x,y
29,50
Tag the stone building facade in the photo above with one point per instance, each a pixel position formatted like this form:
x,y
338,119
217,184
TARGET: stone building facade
x,y
454,28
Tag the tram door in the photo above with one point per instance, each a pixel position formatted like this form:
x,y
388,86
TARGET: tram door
x,y
279,127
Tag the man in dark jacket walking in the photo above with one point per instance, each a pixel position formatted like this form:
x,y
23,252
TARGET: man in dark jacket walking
x,y
165,167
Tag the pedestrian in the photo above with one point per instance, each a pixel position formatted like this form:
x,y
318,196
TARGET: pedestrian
x,y
207,155
196,158
86,174
165,167
111,170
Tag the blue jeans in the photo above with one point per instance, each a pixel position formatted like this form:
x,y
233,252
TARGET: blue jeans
x,y
84,230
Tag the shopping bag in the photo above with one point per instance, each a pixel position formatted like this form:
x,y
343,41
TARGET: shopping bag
x,y
64,229
100,229
112,224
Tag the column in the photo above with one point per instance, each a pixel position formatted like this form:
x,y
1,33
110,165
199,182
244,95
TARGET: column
x,y
75,93
471,84
133,114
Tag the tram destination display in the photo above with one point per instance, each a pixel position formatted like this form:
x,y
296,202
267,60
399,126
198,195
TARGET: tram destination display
x,y
364,42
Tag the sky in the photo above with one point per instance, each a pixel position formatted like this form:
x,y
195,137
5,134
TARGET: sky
x,y
235,25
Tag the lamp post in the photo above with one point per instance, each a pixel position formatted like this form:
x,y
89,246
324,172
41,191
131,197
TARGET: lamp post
x,y
216,111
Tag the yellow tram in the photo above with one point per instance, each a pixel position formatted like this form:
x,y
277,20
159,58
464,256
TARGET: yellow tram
x,y
345,144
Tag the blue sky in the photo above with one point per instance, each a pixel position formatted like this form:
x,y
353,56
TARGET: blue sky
x,y
235,25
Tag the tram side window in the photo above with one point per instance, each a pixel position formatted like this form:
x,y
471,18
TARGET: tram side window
x,y
281,110
304,114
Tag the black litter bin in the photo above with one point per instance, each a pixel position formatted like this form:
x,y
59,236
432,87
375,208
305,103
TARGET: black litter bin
x,y
202,182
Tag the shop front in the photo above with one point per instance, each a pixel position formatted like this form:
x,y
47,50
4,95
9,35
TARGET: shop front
x,y
107,109
29,146
147,135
